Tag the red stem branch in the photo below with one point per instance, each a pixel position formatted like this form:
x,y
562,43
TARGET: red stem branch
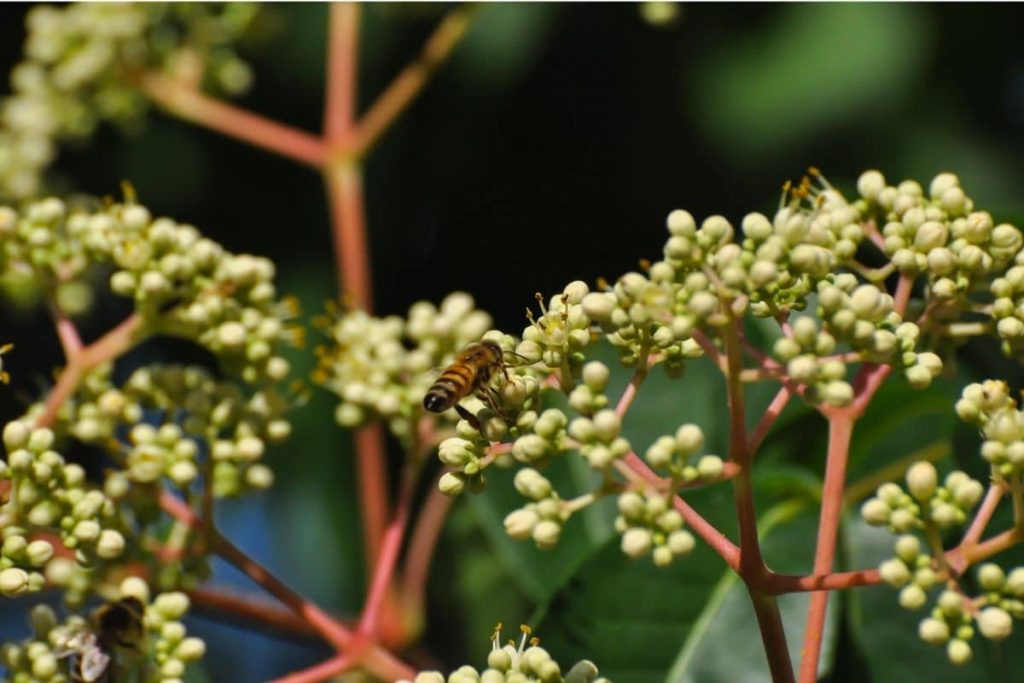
x,y
188,103
425,535
388,558
839,436
342,66
390,104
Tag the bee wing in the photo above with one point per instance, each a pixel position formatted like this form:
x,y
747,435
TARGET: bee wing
x,y
94,664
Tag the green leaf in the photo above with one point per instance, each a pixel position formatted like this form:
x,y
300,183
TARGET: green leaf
x,y
816,67
636,621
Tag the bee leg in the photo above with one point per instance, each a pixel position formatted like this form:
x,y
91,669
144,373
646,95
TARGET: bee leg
x,y
492,399
468,416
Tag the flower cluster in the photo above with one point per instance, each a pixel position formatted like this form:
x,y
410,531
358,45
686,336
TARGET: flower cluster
x,y
989,406
649,524
183,284
525,663
170,413
84,64
45,492
674,453
927,503
543,518
380,368
939,234
161,654
557,338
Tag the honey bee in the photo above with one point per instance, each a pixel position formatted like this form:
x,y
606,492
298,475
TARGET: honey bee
x,y
111,626
470,373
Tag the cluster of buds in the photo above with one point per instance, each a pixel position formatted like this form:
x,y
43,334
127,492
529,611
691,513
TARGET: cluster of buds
x,y
939,234
814,230
526,662
927,503
381,368
1008,306
599,439
806,353
558,337
911,571
862,316
45,492
649,525
160,646
236,427
989,406
674,454
956,617
541,519
83,65
183,284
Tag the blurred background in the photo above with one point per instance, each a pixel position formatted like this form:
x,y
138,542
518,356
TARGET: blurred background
x,y
550,148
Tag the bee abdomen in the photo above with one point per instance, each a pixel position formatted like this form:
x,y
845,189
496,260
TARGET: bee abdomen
x,y
452,385
438,399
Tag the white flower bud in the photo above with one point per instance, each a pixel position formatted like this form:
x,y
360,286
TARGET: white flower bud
x,y
13,581
933,631
452,483
636,542
110,545
546,532
894,572
959,651
172,605
922,480
875,512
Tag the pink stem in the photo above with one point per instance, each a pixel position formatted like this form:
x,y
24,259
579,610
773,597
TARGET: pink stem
x,y
840,434
388,557
188,103
342,65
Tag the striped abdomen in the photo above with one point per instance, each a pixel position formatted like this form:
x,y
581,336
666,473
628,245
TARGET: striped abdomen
x,y
454,384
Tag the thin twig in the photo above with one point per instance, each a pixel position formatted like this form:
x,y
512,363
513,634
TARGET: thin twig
x,y
342,69
190,104
408,84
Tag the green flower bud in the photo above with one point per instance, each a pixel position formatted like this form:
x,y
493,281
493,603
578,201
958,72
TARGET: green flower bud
x,y
452,483
968,494
38,553
529,448
681,542
172,605
596,375
662,556
959,651
689,439
110,545
498,659
598,306
16,435
606,425
13,581
922,480
520,523
636,542
545,533
44,666
933,631
1015,582
876,512
894,572
631,504
912,597
994,623
908,547
991,577
870,184
135,587
710,467
190,649
902,520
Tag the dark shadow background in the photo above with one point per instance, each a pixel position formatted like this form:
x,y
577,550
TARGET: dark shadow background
x,y
550,148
